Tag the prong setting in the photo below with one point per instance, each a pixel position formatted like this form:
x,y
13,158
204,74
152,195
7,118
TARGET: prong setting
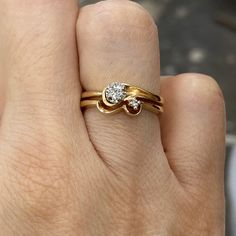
x,y
115,93
134,103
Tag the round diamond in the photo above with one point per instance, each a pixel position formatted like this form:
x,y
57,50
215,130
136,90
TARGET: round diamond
x,y
134,103
115,92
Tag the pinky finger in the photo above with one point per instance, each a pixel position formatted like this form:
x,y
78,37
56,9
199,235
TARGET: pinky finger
x,y
193,130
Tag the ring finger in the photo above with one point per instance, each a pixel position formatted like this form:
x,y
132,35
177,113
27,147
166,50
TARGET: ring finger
x,y
118,42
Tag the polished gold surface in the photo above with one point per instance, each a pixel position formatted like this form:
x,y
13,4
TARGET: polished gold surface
x,y
134,100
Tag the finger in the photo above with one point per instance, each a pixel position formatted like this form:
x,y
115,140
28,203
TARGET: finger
x,y
193,130
39,59
41,124
118,42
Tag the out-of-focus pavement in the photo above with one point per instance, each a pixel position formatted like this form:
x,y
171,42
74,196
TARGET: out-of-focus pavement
x,y
192,41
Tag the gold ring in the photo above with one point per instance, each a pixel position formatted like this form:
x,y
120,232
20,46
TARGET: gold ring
x,y
119,96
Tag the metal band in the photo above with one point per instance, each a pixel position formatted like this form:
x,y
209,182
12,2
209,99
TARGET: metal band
x,y
120,96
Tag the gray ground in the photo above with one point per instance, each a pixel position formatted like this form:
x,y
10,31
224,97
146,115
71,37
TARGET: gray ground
x,y
192,41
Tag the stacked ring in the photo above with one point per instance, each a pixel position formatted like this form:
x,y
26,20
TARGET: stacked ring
x,y
120,96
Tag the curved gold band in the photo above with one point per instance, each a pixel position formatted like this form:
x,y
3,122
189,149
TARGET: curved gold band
x,y
120,96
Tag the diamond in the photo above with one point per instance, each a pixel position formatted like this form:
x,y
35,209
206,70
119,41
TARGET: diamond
x,y
115,92
134,103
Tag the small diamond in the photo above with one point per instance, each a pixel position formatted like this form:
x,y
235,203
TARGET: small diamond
x,y
115,92
134,103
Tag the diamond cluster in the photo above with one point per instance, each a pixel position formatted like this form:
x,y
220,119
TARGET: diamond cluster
x,y
115,93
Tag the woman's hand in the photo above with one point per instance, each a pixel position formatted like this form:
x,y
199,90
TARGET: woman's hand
x,y
63,172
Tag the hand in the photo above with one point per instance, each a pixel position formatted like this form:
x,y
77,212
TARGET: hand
x,y
63,172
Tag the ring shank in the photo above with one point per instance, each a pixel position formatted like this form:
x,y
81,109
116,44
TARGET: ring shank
x,y
148,100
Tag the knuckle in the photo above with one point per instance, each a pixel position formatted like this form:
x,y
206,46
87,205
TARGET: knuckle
x,y
202,88
113,20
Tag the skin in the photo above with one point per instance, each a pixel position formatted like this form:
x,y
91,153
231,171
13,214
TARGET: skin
x,y
64,172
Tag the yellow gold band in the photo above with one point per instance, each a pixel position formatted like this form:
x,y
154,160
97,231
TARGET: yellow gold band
x,y
120,96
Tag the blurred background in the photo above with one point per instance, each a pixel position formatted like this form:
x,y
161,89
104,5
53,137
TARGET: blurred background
x,y
200,36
